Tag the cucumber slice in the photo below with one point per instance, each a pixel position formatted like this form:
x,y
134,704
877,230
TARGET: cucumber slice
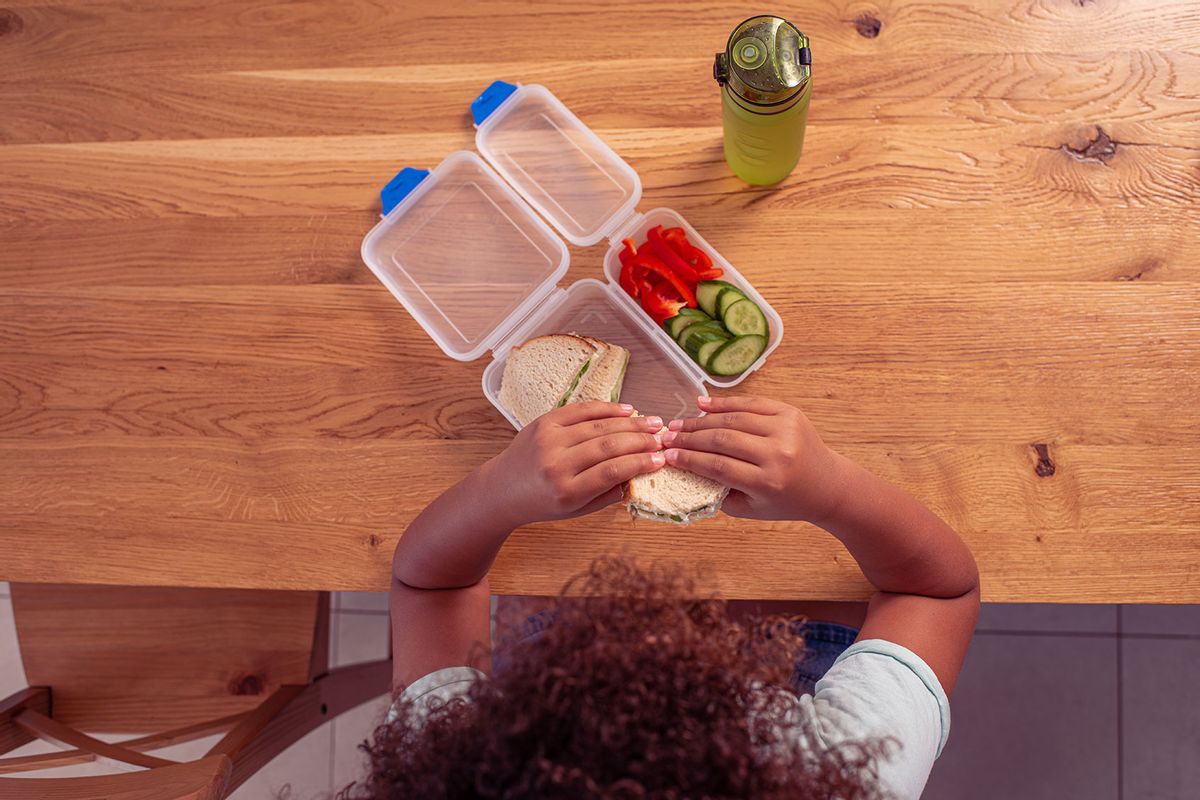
x,y
675,325
737,355
693,342
571,389
705,351
711,325
726,298
615,394
744,317
706,295
693,312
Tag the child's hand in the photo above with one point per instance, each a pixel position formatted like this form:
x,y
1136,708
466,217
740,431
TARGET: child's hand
x,y
573,460
767,452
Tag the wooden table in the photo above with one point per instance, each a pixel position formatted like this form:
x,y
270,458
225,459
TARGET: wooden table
x,y
988,264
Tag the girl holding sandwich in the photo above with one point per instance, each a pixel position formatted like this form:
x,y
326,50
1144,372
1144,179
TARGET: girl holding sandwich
x,y
634,691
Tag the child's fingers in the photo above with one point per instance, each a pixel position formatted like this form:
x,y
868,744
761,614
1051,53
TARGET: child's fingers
x,y
752,405
594,428
588,454
722,441
732,472
613,495
737,504
744,421
614,472
574,413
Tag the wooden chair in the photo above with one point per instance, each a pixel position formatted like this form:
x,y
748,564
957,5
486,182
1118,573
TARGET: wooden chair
x,y
189,662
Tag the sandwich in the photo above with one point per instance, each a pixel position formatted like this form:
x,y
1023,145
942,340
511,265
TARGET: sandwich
x,y
673,495
604,375
547,372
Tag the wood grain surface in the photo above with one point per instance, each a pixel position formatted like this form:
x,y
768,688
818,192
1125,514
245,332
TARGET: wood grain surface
x,y
987,263
137,659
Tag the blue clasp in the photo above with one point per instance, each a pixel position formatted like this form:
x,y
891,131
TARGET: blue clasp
x,y
400,186
489,100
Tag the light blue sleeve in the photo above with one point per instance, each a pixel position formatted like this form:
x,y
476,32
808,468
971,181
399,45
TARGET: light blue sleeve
x,y
877,689
442,684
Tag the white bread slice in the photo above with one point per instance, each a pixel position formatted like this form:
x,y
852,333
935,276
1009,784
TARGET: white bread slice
x,y
674,495
542,374
605,374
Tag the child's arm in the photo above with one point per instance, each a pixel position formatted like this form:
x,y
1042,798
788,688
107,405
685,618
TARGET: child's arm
x,y
779,468
569,462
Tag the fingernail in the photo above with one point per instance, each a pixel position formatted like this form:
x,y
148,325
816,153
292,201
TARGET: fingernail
x,y
703,401
628,409
658,440
654,423
671,455
676,424
658,459
669,437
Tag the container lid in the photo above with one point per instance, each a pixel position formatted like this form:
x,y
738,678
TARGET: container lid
x,y
554,161
463,254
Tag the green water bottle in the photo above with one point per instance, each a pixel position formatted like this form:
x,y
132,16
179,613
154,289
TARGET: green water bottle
x,y
765,75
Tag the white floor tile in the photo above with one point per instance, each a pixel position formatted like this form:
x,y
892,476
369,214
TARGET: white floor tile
x,y
349,731
12,673
1178,620
4,589
359,638
360,601
1033,717
303,769
189,751
1048,617
1160,723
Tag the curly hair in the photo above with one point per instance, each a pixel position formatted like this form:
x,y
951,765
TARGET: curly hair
x,y
632,692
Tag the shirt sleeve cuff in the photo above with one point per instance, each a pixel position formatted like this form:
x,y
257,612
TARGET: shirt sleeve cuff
x,y
917,666
443,683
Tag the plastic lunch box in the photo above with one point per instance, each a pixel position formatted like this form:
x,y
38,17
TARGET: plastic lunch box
x,y
464,250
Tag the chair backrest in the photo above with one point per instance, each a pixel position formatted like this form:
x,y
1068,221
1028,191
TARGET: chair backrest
x,y
143,659
204,779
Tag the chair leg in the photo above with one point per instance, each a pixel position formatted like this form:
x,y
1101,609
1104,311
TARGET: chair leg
x,y
326,698
141,744
318,663
253,723
12,735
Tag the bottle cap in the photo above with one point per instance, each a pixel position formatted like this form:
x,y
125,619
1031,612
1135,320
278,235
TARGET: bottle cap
x,y
767,62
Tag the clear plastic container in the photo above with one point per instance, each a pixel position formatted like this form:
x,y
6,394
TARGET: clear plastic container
x,y
656,381
669,219
465,253
564,170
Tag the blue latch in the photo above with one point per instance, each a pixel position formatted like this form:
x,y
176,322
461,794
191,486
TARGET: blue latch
x,y
489,100
400,186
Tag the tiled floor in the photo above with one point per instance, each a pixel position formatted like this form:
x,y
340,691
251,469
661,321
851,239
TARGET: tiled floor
x,y
1062,702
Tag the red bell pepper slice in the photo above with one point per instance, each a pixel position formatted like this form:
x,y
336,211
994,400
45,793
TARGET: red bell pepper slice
x,y
690,253
627,281
626,276
648,264
691,262
669,256
628,251
660,301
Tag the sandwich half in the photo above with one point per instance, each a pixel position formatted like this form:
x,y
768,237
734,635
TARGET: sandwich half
x,y
674,495
604,376
543,374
